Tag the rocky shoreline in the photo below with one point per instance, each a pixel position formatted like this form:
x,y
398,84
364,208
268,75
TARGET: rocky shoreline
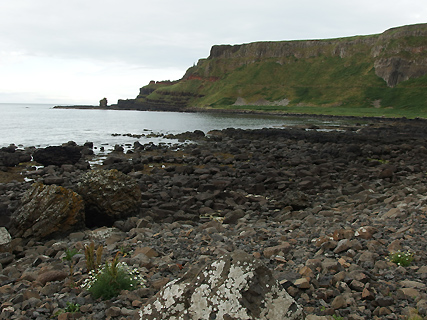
x,y
322,210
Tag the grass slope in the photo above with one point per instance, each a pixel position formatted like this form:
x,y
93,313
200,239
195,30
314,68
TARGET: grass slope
x,y
315,83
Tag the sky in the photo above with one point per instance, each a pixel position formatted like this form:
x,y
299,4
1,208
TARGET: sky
x,y
80,51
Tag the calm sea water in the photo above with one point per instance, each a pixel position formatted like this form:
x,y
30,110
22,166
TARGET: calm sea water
x,y
41,125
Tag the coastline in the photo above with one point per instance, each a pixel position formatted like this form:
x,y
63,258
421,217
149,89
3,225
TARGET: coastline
x,y
341,201
243,111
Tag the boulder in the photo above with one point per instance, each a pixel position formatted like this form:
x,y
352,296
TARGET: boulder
x,y
5,240
109,195
46,211
10,157
58,155
236,286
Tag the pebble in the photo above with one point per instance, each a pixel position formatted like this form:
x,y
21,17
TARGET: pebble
x,y
322,216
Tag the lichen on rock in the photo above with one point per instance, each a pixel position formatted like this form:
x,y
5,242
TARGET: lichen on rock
x,y
236,286
46,211
109,195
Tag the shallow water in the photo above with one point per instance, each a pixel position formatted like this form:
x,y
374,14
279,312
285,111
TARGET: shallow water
x,y
41,125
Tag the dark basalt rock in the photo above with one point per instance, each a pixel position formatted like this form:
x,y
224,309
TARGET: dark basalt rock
x,y
58,155
109,195
10,157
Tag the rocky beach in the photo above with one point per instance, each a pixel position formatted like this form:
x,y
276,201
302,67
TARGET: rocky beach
x,y
325,217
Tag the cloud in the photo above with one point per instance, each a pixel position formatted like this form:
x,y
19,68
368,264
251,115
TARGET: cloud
x,y
134,41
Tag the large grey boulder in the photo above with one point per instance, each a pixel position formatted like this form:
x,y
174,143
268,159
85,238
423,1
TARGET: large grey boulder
x,y
47,211
236,286
109,195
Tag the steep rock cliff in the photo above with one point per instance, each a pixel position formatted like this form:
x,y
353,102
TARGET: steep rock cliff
x,y
360,70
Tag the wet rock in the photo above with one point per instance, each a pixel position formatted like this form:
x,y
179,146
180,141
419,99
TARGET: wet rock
x,y
9,157
58,155
235,286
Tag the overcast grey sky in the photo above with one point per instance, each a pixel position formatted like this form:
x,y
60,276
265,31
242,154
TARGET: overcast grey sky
x,y
82,50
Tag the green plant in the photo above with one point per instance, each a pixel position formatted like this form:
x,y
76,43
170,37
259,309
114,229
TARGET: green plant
x,y
414,315
111,279
69,254
125,250
400,258
93,258
71,308
335,317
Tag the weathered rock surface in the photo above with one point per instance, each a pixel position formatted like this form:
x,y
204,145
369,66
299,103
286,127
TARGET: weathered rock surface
x,y
235,286
109,195
47,211
5,240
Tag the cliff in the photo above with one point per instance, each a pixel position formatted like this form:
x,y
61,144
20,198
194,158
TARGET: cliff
x,y
387,70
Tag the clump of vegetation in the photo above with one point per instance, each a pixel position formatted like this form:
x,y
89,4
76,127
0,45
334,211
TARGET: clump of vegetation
x,y
111,279
69,254
93,257
400,258
414,315
71,308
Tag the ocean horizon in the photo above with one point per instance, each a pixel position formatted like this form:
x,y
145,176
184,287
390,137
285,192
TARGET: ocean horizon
x,y
41,125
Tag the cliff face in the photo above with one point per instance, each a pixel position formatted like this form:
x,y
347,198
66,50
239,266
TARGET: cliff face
x,y
401,54
398,54
332,72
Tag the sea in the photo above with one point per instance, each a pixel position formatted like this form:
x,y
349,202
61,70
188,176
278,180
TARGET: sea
x,y
42,125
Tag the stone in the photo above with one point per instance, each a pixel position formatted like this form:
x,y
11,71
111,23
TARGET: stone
x,y
109,195
5,240
412,284
384,301
339,302
11,157
393,214
58,155
270,251
148,251
422,270
367,294
343,245
407,293
47,211
52,275
302,283
356,285
366,232
235,286
6,258
422,307
233,216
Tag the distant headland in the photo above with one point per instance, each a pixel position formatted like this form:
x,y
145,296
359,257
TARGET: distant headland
x,y
375,75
